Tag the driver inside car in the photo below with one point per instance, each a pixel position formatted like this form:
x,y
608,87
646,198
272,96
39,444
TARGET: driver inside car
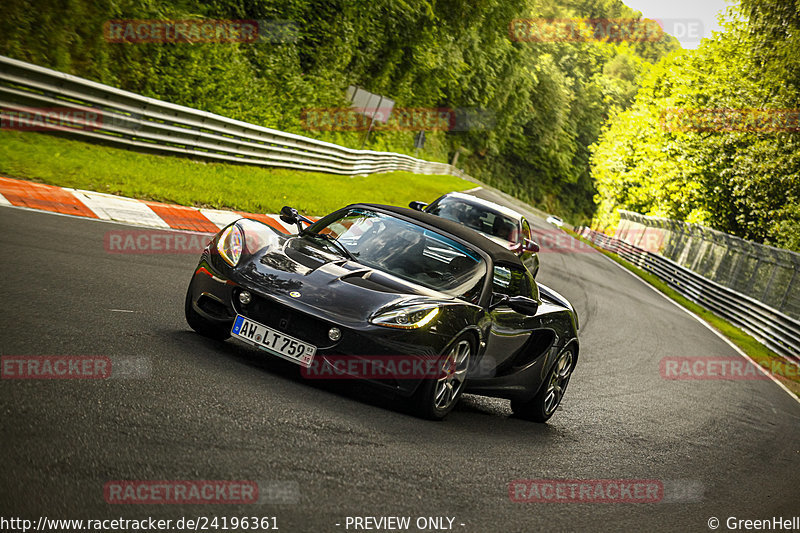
x,y
404,252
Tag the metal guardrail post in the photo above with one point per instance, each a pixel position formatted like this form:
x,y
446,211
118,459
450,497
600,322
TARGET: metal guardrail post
x,y
786,292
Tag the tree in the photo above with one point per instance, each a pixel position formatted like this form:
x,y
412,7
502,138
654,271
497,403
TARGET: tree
x,y
737,176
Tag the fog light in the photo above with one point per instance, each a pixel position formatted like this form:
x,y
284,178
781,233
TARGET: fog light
x,y
245,297
334,334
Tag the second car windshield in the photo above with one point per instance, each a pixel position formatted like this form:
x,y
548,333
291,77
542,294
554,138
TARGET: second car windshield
x,y
407,251
479,218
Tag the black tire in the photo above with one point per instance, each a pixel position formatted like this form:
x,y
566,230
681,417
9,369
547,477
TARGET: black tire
x,y
542,406
202,325
435,398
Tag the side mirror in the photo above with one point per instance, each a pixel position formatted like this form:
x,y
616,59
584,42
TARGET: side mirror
x,y
523,305
519,304
419,206
531,246
291,216
497,300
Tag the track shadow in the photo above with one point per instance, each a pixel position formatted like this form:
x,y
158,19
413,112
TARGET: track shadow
x,y
473,413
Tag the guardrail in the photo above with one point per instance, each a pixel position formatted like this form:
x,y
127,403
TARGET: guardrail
x,y
139,122
774,329
766,273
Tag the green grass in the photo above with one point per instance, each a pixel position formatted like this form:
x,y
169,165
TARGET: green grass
x,y
760,353
69,163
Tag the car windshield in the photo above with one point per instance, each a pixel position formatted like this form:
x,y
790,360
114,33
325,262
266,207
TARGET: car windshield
x,y
480,218
405,250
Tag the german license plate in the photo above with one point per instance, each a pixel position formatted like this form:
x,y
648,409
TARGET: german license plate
x,y
273,341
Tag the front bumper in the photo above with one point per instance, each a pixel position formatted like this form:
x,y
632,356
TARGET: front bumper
x,y
215,296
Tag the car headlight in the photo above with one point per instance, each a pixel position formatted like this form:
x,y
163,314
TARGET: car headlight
x,y
410,317
230,245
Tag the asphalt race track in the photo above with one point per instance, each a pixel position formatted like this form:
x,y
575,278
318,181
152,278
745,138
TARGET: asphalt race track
x,y
204,410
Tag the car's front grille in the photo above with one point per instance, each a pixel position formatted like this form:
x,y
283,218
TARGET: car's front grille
x,y
289,321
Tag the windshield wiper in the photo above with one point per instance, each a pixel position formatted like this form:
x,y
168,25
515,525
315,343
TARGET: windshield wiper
x,y
336,244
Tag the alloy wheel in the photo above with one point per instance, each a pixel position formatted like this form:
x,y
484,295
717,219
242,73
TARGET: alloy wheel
x,y
454,367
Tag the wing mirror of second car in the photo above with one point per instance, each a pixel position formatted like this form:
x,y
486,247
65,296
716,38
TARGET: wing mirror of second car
x,y
531,246
419,206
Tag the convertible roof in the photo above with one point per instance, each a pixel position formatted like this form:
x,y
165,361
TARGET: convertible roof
x,y
499,254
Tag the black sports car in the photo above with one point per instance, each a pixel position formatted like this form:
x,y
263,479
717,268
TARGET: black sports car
x,y
381,283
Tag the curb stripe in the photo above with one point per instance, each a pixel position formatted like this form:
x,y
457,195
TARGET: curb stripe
x,y
182,217
43,197
110,207
220,218
76,202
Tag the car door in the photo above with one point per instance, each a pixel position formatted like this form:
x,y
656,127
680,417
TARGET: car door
x,y
507,331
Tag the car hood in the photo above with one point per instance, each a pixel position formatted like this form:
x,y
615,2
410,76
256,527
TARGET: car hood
x,y
303,275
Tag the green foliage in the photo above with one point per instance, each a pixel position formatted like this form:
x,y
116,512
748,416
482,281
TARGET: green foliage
x,y
547,100
743,180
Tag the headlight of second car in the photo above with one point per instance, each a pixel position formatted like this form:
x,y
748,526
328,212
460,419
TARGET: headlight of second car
x,y
230,244
409,317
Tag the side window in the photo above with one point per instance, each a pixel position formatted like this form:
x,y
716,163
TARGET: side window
x,y
511,281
